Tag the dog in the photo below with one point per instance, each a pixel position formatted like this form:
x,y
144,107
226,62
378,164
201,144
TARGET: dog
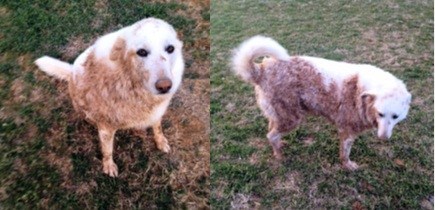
x,y
126,79
354,97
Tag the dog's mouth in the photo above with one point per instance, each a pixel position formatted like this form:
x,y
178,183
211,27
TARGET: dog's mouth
x,y
163,93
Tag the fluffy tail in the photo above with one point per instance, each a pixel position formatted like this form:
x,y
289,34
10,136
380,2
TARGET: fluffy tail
x,y
249,50
54,67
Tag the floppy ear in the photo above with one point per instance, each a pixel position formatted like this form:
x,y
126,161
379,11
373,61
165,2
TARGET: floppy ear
x,y
368,98
118,49
367,109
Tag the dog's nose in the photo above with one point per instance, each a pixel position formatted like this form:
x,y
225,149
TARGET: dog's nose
x,y
163,85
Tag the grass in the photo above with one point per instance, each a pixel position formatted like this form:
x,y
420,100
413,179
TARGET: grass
x,y
396,174
50,157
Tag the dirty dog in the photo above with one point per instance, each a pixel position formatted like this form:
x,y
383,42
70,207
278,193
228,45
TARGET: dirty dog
x,y
126,79
354,97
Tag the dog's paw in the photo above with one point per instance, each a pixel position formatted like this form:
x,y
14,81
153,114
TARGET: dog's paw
x,y
277,155
110,168
163,145
350,165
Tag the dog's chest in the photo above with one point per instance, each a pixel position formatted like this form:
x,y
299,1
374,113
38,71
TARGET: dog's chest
x,y
141,115
122,109
137,111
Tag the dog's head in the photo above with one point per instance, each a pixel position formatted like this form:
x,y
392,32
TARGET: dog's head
x,y
387,109
150,50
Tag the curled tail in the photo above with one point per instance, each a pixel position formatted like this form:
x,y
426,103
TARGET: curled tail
x,y
54,67
249,50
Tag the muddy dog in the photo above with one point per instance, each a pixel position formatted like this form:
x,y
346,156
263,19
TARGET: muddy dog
x,y
126,79
354,97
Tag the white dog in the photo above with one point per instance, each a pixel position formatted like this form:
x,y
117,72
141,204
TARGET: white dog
x,y
354,97
125,80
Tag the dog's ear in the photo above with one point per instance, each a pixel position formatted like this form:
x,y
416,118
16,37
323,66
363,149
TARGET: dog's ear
x,y
368,98
118,49
367,109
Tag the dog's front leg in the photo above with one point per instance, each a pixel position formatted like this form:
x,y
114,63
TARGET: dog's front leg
x,y
346,141
160,139
106,135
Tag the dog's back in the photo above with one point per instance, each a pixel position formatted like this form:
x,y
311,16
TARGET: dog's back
x,y
296,87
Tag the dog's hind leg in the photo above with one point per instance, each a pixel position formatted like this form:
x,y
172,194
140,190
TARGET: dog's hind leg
x,y
106,136
160,139
275,132
274,137
346,141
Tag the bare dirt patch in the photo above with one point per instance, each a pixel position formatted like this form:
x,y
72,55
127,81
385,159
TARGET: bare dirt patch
x,y
4,11
101,8
290,183
75,46
243,201
17,91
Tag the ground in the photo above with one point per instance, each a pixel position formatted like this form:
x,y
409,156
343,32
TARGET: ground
x,y
396,174
50,157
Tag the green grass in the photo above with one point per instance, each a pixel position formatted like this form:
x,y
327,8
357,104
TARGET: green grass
x,y
49,156
396,174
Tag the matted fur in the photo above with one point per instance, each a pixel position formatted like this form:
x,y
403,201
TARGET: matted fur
x,y
117,88
353,97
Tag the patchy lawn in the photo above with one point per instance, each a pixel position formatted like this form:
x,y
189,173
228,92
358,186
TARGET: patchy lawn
x,y
50,158
396,174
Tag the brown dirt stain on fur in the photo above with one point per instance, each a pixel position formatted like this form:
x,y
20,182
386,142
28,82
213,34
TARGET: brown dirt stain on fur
x,y
308,95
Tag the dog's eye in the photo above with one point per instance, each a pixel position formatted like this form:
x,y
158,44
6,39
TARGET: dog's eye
x,y
142,53
380,114
395,116
170,49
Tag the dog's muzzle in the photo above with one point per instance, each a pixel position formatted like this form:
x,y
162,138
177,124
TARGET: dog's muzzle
x,y
163,85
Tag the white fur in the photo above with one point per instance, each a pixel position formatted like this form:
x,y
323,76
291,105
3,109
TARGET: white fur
x,y
158,113
158,62
391,96
253,48
398,105
55,67
79,63
374,79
